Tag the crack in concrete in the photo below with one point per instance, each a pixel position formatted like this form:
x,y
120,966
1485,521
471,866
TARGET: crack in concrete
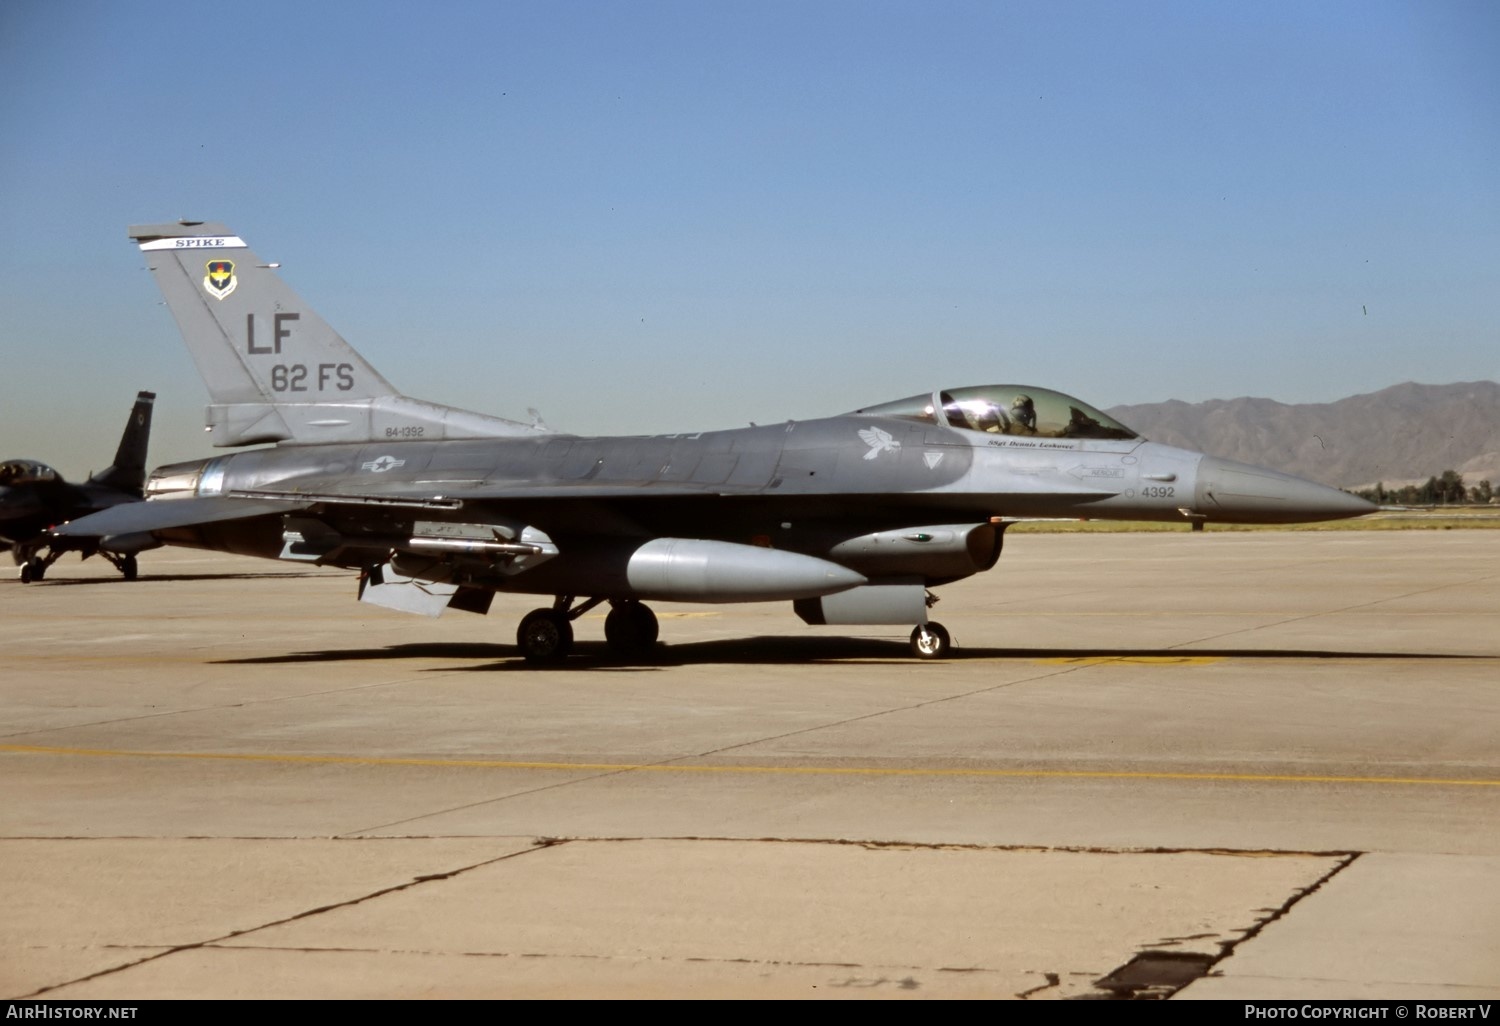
x,y
1053,981
214,941
1158,983
1121,991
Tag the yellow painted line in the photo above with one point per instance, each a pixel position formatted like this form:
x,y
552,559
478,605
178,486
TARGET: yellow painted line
x,y
1141,660
611,767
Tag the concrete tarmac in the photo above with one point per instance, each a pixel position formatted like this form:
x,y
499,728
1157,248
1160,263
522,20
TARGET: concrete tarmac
x,y
1191,766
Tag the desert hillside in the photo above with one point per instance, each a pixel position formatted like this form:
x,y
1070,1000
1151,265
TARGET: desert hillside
x,y
1399,435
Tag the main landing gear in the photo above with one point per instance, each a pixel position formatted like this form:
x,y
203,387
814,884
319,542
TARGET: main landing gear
x,y
546,635
127,565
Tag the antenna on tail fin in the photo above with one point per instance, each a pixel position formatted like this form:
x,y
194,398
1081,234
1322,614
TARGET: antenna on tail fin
x,y
275,370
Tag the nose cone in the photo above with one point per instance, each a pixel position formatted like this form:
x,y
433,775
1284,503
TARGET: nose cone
x,y
1239,493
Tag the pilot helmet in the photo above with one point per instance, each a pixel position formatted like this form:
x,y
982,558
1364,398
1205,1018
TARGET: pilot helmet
x,y
1023,408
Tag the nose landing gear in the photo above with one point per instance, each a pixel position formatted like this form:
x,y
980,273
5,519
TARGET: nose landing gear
x,y
34,560
930,641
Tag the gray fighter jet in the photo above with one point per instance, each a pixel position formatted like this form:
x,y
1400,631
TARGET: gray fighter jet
x,y
34,498
852,519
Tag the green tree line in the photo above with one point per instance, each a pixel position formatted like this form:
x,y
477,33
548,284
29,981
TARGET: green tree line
x,y
1446,489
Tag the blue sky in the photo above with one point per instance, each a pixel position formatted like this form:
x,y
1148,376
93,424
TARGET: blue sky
x,y
646,217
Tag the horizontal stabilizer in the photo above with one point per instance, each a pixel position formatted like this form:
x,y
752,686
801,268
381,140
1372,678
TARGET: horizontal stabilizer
x,y
159,515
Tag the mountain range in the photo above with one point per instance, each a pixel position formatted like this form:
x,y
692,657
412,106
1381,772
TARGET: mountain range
x,y
1400,435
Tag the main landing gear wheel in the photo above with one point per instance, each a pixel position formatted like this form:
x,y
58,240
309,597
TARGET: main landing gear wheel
x,y
930,641
545,636
127,565
631,629
33,570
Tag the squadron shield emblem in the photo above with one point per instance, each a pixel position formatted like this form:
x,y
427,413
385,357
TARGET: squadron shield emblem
x,y
220,280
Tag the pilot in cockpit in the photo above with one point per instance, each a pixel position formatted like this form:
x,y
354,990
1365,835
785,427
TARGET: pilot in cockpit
x,y
1023,414
983,414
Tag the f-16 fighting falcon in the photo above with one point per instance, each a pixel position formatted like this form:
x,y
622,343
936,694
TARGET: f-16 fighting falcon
x,y
34,498
852,519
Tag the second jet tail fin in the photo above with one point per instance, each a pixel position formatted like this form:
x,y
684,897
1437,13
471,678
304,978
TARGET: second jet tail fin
x,y
275,370
128,472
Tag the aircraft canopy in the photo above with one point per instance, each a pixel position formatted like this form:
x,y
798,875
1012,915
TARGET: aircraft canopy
x,y
1008,410
19,472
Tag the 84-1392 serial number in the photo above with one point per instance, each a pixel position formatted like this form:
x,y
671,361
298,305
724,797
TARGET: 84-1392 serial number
x,y
404,432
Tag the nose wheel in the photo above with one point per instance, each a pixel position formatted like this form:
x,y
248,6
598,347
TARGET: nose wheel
x,y
35,561
930,641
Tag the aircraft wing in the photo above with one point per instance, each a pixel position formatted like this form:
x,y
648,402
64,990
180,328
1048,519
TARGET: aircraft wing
x,y
140,517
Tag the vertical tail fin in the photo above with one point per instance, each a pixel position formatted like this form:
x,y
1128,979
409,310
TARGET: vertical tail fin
x,y
275,370
128,472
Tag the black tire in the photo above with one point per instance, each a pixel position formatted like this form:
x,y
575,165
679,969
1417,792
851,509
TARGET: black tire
x,y
28,574
545,636
130,568
631,630
930,641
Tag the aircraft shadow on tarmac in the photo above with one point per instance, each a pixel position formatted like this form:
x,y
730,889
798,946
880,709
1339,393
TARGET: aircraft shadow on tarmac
x,y
770,650
152,578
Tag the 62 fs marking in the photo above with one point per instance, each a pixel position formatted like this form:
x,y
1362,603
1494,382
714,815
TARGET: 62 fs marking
x,y
294,377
